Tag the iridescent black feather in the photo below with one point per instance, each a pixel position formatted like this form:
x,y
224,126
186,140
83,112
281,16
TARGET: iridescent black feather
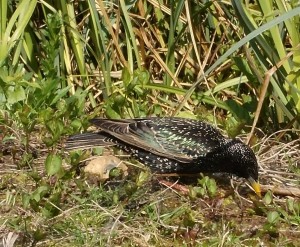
x,y
173,145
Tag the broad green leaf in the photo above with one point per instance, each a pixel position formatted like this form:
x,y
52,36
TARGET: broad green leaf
x,y
273,217
53,164
76,124
39,193
15,94
268,198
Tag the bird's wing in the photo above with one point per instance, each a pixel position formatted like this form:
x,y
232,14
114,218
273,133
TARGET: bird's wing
x,y
88,140
174,138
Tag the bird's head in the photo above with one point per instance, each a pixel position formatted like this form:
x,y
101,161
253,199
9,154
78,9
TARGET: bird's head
x,y
243,162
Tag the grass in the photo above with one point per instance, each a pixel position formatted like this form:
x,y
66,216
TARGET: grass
x,y
128,211
232,63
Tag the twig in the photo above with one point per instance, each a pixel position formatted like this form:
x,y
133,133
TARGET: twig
x,y
281,191
183,189
264,90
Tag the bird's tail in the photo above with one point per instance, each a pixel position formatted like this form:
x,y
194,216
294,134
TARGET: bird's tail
x,y
88,140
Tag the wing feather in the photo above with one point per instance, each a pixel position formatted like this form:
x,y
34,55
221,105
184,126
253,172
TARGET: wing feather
x,y
174,138
88,140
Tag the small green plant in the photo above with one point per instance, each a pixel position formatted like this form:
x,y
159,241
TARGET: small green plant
x,y
207,187
131,98
64,62
270,227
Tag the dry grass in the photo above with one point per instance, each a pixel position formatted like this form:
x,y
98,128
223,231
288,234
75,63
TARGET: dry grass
x,y
118,212
154,214
279,161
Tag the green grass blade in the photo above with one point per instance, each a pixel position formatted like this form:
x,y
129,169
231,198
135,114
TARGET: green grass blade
x,y
19,21
288,15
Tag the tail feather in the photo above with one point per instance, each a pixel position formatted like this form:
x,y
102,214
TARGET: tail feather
x,y
88,140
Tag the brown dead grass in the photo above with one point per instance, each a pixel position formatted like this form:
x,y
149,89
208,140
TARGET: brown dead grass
x,y
229,214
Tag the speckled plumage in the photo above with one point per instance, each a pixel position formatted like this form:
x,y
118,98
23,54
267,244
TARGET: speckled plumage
x,y
173,145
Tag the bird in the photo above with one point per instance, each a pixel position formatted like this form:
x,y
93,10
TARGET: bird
x,y
173,145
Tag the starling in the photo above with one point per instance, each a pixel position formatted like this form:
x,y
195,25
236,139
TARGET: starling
x,y
173,145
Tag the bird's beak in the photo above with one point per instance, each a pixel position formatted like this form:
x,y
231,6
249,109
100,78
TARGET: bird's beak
x,y
255,185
